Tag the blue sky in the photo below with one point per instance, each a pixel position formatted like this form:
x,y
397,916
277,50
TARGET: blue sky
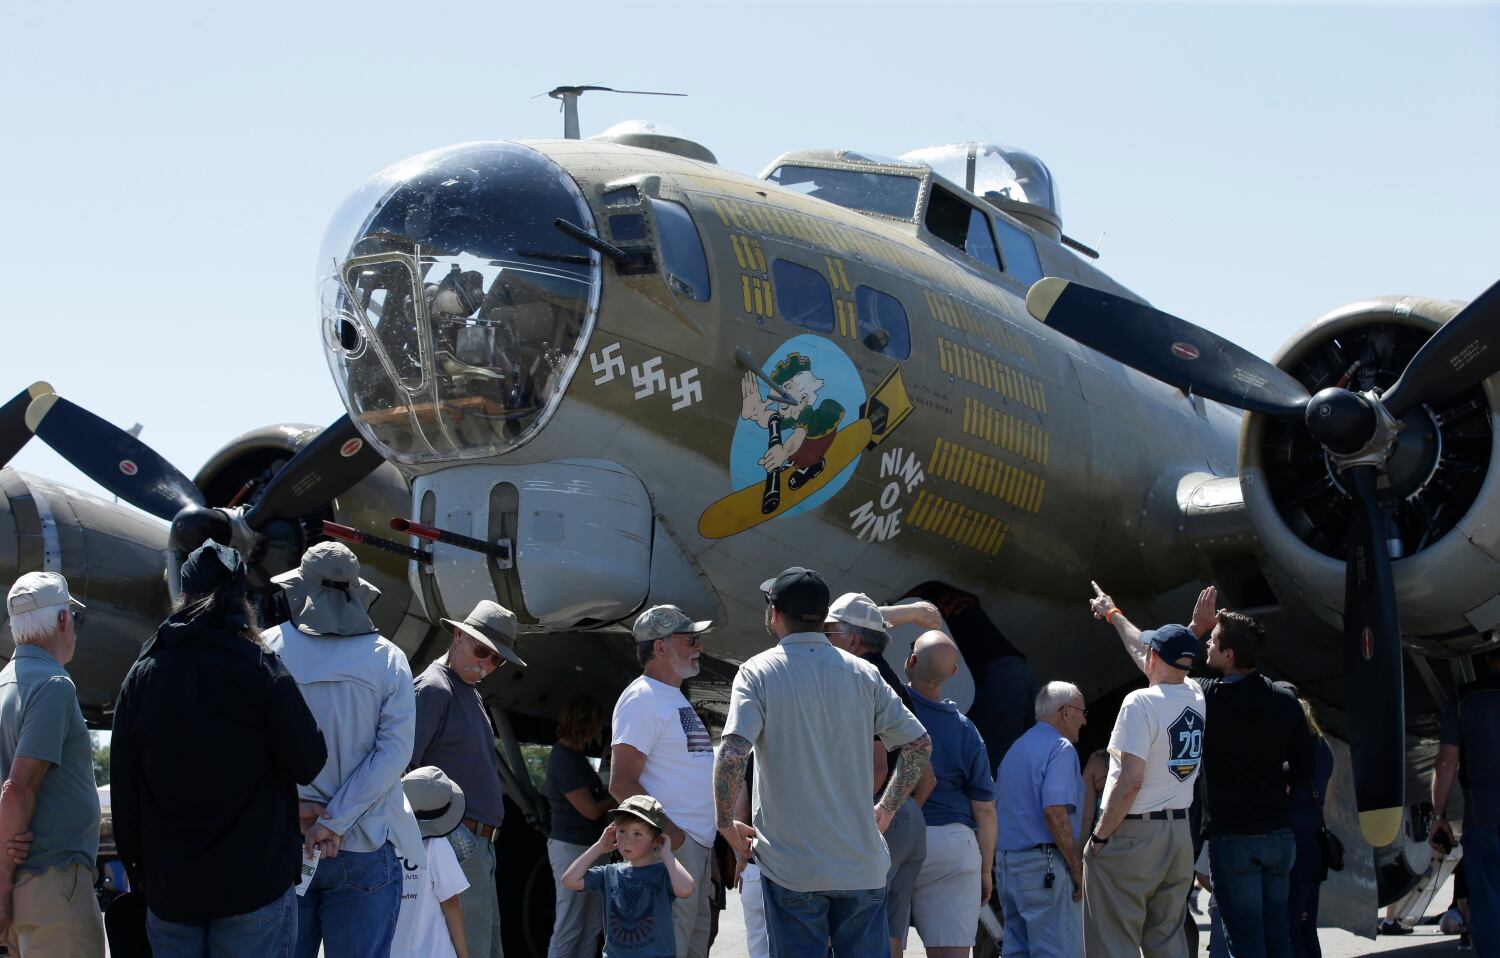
x,y
168,169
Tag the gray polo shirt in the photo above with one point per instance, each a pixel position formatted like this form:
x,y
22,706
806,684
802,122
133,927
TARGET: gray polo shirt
x,y
40,719
811,711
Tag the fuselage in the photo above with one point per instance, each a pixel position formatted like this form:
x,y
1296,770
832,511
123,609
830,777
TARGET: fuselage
x,y
940,433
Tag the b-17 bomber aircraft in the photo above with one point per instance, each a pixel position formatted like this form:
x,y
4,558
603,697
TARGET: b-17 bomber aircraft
x,y
587,376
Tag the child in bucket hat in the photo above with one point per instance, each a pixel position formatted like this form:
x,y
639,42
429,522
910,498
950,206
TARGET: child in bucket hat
x,y
431,922
638,891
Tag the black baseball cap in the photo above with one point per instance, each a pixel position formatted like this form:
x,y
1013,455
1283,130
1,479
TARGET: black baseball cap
x,y
1172,642
800,594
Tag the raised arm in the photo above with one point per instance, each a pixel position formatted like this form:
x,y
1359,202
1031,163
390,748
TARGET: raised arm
x,y
729,777
1104,608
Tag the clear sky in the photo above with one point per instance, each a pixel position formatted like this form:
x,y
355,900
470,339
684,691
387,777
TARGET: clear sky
x,y
167,169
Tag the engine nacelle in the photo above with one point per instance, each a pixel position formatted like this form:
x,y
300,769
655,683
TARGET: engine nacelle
x,y
1446,534
237,473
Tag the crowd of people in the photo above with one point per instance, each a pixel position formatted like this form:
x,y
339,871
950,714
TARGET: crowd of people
x,y
360,805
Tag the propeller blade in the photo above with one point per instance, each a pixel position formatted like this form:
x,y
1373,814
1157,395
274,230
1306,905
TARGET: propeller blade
x,y
112,457
1465,351
336,459
13,431
1373,687
1165,347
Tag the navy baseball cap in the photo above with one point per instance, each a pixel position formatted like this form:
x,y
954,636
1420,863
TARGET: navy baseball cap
x,y
800,594
1172,642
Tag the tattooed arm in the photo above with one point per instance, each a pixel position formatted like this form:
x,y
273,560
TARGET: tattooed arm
x,y
729,777
914,757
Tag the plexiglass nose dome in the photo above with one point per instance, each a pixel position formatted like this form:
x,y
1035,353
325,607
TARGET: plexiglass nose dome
x,y
453,310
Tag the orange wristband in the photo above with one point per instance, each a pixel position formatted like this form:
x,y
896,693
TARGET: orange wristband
x,y
1110,615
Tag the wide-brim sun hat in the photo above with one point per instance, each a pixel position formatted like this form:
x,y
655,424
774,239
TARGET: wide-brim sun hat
x,y
436,801
492,625
325,594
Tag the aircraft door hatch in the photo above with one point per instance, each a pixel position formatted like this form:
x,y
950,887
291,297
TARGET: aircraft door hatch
x,y
580,534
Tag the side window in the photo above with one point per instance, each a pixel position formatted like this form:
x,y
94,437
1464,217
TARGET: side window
x,y
960,225
882,323
683,261
803,296
1019,249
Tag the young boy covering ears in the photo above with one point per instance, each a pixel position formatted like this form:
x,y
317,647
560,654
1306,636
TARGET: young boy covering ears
x,y
637,891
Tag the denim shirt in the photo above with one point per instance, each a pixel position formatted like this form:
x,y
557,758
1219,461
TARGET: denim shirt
x,y
359,688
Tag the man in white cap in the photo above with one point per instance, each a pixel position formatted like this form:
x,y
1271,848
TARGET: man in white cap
x,y
858,626
358,687
47,762
454,733
661,748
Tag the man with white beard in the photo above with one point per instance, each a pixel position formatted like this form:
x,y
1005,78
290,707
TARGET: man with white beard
x,y
661,748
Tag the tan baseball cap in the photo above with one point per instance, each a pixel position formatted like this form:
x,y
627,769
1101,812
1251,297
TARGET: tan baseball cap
x,y
644,807
39,590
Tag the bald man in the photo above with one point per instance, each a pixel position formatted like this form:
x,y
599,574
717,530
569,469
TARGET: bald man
x,y
957,875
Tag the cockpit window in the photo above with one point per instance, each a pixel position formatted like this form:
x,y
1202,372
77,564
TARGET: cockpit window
x,y
885,193
685,264
454,311
1019,248
958,224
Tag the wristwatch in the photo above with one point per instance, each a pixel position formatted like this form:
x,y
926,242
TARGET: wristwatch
x,y
1097,840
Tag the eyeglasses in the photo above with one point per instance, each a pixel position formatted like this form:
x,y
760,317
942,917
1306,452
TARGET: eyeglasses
x,y
691,638
1081,710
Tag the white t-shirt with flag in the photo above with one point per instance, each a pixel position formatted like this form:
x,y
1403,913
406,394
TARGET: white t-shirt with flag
x,y
420,928
657,720
1163,725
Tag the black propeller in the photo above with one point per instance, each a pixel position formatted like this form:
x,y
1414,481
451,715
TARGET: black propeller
x,y
334,460
1359,431
1166,348
112,457
13,431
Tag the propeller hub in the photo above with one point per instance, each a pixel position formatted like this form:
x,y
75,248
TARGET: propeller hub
x,y
195,525
1343,421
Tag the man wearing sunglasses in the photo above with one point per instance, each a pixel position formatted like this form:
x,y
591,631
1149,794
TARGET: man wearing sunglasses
x,y
454,733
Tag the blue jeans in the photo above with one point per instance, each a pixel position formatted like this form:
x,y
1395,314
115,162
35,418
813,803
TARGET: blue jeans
x,y
351,906
801,924
1217,947
269,931
1303,888
1482,869
1040,922
1251,881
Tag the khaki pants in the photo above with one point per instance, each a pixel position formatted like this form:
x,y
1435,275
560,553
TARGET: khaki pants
x,y
1135,891
481,905
56,915
691,915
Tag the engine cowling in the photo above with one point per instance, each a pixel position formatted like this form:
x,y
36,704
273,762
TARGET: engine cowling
x,y
1446,538
237,474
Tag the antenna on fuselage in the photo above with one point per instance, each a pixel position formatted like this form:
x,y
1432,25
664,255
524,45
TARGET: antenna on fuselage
x,y
569,96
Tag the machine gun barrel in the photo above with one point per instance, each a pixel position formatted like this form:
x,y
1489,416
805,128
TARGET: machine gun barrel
x,y
351,534
500,550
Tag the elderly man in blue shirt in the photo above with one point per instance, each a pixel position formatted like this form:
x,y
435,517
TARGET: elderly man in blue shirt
x,y
1038,794
359,688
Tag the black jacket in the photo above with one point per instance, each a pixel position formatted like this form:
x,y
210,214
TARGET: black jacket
x,y
1256,743
211,739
